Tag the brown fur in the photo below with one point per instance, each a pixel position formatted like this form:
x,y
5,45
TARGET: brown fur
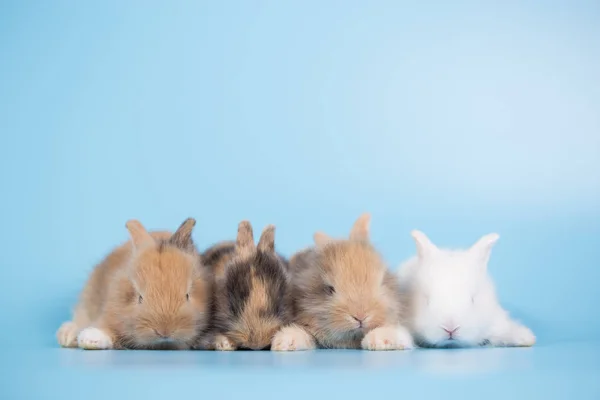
x,y
251,291
160,267
363,288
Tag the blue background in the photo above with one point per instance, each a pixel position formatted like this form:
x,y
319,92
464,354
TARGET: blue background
x,y
456,118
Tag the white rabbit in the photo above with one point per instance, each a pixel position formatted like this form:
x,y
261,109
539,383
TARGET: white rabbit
x,y
452,300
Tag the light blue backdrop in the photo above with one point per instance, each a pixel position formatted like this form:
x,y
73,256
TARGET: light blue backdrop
x,y
456,118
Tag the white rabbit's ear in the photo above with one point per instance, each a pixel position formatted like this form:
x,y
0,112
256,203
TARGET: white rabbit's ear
x,y
360,229
321,239
483,247
139,235
424,245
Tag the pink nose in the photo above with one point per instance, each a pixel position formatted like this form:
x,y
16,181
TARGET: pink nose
x,y
450,331
360,319
163,333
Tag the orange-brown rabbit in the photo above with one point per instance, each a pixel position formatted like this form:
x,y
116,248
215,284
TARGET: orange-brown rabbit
x,y
150,293
251,290
344,297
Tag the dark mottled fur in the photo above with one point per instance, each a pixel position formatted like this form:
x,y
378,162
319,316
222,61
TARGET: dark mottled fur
x,y
217,256
238,284
251,297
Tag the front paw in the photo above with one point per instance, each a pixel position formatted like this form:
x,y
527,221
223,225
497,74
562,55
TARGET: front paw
x,y
515,335
387,338
522,336
292,338
67,334
222,343
94,339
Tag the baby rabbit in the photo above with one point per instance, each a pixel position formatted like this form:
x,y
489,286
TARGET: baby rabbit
x,y
251,290
149,293
452,298
343,297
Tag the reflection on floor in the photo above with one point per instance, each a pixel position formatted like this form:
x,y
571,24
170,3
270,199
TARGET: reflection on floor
x,y
557,371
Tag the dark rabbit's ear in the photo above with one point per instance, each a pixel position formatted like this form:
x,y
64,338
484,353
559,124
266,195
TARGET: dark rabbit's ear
x,y
266,242
360,229
244,244
182,237
139,235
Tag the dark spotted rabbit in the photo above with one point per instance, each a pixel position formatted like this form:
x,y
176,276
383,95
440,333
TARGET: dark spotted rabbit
x,y
251,296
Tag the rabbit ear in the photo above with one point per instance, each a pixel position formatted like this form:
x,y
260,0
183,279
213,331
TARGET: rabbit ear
x,y
182,237
360,229
321,239
139,235
483,247
245,238
424,245
266,242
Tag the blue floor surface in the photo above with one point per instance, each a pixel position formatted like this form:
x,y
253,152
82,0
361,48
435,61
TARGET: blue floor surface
x,y
569,370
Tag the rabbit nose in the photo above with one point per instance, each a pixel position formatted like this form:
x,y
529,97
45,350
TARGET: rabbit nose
x,y
163,333
360,319
450,332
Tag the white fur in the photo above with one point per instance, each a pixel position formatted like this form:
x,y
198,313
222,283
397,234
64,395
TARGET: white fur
x,y
292,338
94,339
388,338
450,289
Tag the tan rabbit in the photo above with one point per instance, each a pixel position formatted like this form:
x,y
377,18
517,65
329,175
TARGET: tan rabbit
x,y
251,290
344,297
150,293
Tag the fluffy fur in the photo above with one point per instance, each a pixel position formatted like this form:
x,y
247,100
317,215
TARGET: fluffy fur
x,y
150,293
452,299
343,297
251,297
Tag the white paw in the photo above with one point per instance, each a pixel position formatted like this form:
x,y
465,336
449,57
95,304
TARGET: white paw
x,y
292,338
522,336
222,343
67,334
387,338
94,339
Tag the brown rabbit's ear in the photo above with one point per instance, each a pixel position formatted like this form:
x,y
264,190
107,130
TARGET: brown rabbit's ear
x,y
322,239
182,237
266,242
139,235
245,238
360,229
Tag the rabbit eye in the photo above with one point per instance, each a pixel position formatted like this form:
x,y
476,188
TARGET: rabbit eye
x,y
140,299
187,296
329,289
